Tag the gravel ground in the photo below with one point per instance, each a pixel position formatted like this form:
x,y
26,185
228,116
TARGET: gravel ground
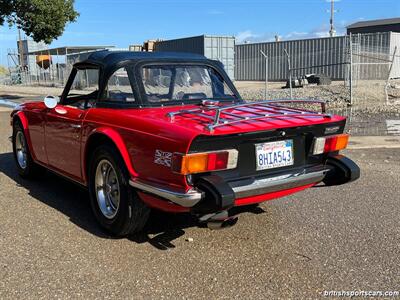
x,y
337,238
369,96
368,116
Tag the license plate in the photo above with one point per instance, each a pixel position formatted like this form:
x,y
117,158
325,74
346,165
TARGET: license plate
x,y
274,155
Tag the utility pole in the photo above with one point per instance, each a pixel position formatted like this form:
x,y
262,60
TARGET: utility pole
x,y
21,51
332,31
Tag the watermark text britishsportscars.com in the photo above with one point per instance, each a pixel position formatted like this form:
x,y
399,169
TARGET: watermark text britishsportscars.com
x,y
360,293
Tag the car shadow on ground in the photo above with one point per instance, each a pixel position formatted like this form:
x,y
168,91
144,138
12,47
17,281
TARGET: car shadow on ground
x,y
168,227
73,201
10,97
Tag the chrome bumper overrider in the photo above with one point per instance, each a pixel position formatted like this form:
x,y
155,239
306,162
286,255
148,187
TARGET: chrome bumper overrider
x,y
188,199
253,188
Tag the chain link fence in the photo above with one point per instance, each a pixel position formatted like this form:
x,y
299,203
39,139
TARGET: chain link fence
x,y
372,71
363,68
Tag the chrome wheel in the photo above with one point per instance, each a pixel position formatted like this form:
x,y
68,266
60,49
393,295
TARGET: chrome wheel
x,y
107,189
20,149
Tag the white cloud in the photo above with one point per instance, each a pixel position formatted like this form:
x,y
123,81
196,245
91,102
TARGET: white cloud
x,y
295,35
320,31
246,35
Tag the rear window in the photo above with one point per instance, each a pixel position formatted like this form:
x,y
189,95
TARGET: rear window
x,y
184,83
119,88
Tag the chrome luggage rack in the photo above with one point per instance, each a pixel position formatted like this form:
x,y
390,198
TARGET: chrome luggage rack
x,y
221,116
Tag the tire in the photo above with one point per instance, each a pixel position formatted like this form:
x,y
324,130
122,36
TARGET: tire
x,y
115,204
26,167
319,79
323,80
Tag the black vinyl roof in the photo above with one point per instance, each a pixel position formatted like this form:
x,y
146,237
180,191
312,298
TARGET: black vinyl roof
x,y
109,61
109,58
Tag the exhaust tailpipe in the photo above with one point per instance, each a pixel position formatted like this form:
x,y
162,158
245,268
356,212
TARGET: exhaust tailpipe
x,y
219,220
229,222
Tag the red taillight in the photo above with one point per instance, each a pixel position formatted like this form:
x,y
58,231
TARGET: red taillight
x,y
217,161
204,162
330,143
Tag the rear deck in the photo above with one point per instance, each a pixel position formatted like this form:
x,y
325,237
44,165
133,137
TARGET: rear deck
x,y
212,116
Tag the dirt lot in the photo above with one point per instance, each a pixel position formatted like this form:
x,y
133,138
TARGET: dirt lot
x,y
338,238
369,96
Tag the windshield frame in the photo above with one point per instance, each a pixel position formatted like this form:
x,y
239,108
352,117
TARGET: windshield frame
x,y
219,71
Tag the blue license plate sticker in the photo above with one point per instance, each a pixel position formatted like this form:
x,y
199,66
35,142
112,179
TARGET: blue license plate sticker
x,y
274,154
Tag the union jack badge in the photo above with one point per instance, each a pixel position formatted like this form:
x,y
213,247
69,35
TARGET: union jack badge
x,y
163,158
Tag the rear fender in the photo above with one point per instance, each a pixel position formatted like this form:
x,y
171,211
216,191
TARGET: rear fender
x,y
21,116
117,140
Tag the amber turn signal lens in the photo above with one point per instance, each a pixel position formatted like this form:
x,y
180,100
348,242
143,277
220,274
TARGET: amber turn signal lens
x,y
196,163
342,141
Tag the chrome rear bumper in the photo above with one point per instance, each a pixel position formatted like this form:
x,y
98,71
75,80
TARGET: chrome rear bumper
x,y
278,183
240,189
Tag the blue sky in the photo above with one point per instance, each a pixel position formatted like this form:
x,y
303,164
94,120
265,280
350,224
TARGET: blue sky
x,y
124,22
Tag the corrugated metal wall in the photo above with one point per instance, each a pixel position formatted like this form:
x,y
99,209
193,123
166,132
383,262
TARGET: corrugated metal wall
x,y
214,47
191,44
222,49
309,53
319,55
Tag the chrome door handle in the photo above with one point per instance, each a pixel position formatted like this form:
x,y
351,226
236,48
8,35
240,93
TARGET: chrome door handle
x,y
60,110
76,126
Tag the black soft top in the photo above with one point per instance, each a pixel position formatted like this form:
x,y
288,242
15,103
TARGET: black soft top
x,y
109,61
114,58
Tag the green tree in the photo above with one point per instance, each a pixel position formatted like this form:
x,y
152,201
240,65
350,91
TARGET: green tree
x,y
43,20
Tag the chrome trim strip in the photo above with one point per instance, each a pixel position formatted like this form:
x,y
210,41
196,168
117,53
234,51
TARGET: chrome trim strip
x,y
274,184
188,199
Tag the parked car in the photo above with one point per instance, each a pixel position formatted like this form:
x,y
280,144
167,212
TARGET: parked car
x,y
170,131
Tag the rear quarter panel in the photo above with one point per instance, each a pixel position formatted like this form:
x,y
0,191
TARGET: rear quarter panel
x,y
140,138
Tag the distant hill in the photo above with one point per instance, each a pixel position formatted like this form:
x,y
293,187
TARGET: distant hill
x,y
3,70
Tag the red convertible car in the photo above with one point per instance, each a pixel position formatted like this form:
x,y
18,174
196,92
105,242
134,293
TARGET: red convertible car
x,y
170,131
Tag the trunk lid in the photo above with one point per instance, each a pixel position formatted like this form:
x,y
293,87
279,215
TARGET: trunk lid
x,y
302,139
248,126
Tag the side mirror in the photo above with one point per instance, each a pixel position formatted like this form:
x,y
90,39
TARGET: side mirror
x,y
51,101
